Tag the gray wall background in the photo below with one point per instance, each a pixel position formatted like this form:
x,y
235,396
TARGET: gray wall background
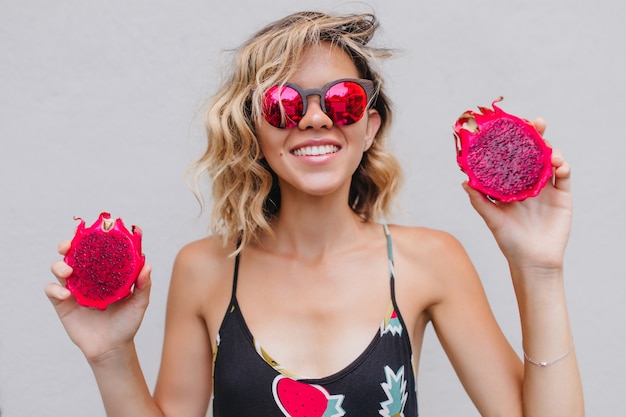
x,y
100,109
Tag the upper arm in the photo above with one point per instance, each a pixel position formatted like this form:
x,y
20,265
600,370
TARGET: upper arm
x,y
487,366
184,383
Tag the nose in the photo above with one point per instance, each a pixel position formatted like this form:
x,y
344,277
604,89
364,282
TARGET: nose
x,y
314,118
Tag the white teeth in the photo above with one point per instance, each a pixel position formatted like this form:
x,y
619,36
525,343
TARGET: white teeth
x,y
316,150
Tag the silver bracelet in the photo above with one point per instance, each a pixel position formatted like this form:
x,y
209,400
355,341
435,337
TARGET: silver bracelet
x,y
544,364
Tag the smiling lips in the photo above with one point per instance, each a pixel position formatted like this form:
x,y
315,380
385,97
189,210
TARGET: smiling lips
x,y
315,150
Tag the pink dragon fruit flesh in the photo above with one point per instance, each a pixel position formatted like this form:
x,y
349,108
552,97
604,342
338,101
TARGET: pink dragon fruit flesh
x,y
503,155
106,259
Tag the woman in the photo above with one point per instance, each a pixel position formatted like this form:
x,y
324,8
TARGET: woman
x,y
301,303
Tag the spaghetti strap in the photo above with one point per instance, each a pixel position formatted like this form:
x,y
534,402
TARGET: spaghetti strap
x,y
235,275
236,272
389,250
389,245
391,264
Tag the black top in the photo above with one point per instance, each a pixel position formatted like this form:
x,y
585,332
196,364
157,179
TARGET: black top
x,y
380,382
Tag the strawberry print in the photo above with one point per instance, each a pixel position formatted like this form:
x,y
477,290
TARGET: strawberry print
x,y
298,399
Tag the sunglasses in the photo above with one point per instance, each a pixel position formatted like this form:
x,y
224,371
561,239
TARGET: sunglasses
x,y
344,101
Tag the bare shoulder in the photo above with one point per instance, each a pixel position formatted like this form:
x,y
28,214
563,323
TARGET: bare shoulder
x,y
202,279
430,262
421,243
440,285
197,300
203,260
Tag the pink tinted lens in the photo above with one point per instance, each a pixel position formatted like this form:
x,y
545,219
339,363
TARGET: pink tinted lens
x,y
345,103
291,105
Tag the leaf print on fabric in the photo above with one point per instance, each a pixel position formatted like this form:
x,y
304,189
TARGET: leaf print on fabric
x,y
391,323
295,399
395,388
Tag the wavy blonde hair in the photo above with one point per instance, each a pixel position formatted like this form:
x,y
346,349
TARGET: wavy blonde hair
x,y
245,191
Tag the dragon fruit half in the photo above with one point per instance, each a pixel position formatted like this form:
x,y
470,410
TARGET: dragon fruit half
x,y
503,155
106,259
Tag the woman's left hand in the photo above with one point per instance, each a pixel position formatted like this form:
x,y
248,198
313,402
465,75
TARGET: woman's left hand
x,y
532,233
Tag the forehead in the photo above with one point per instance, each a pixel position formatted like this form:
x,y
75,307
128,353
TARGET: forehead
x,y
321,64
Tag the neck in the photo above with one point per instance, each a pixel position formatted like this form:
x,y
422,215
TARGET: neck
x,y
310,227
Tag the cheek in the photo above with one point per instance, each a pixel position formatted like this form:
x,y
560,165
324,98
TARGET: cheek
x,y
271,151
356,133
271,141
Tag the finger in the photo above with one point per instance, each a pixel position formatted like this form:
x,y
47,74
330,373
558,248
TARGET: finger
x,y
61,270
57,293
562,171
540,125
143,280
143,284
485,208
562,175
557,158
64,246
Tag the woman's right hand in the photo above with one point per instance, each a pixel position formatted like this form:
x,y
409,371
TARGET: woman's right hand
x,y
98,333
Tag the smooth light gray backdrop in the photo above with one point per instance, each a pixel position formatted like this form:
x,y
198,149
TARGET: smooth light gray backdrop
x,y
100,109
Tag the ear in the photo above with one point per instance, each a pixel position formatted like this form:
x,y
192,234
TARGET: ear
x,y
373,124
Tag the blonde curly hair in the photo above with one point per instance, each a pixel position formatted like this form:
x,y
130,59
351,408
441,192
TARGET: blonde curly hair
x,y
245,191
